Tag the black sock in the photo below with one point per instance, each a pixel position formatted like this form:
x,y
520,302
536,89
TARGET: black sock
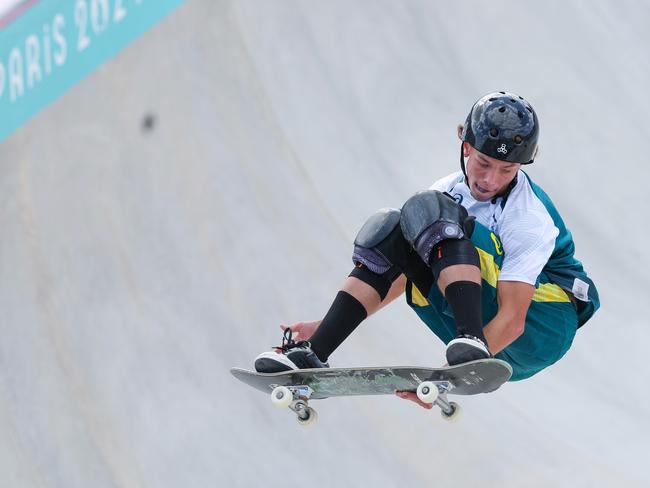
x,y
345,314
464,297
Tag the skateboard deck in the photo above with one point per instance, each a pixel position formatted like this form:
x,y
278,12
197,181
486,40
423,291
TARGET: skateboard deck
x,y
295,388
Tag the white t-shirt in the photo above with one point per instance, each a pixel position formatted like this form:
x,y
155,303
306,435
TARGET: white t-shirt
x,y
522,224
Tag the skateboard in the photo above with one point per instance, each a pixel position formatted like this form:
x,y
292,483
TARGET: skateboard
x,y
294,389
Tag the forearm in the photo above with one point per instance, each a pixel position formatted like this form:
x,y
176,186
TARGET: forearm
x,y
514,298
502,331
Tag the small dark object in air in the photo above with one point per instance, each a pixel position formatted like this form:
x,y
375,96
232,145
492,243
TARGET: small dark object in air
x,y
148,122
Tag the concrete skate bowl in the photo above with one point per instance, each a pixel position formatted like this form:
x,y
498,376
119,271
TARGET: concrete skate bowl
x,y
160,220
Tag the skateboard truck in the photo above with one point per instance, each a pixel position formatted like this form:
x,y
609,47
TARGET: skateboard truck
x,y
295,398
436,393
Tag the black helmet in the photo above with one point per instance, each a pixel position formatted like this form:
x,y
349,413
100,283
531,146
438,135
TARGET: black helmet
x,y
504,126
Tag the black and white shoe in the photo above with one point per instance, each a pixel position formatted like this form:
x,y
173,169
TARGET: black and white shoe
x,y
466,348
290,355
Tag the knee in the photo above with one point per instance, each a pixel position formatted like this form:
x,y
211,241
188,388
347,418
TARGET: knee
x,y
430,217
380,251
438,229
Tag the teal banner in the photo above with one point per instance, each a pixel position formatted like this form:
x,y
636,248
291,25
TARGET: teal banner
x,y
55,43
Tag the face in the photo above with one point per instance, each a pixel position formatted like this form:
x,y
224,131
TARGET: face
x,y
487,177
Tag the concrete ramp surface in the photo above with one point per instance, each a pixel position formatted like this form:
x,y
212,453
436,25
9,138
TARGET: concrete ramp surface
x,y
163,218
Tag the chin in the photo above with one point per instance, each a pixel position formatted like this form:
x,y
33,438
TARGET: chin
x,y
481,197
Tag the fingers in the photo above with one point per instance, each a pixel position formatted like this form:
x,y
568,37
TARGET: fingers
x,y
296,330
302,330
294,327
409,395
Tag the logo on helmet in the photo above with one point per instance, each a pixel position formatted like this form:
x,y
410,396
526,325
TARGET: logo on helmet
x,y
502,149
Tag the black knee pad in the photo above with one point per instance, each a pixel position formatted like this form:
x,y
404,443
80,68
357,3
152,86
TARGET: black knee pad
x,y
429,217
380,251
453,251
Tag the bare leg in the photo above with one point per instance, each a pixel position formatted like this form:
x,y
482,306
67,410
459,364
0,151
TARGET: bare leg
x,y
458,272
366,294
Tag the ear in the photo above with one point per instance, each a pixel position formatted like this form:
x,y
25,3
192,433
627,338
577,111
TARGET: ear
x,y
466,148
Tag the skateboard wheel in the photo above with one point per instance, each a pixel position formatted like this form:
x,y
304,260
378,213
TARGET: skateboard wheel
x,y
455,413
427,392
281,396
310,417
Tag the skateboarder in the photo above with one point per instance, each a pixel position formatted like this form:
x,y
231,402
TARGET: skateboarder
x,y
483,257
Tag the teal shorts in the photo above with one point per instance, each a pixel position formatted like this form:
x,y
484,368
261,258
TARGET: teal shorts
x,y
551,322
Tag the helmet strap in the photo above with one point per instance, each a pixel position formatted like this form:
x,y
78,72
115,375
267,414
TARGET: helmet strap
x,y
462,163
506,193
